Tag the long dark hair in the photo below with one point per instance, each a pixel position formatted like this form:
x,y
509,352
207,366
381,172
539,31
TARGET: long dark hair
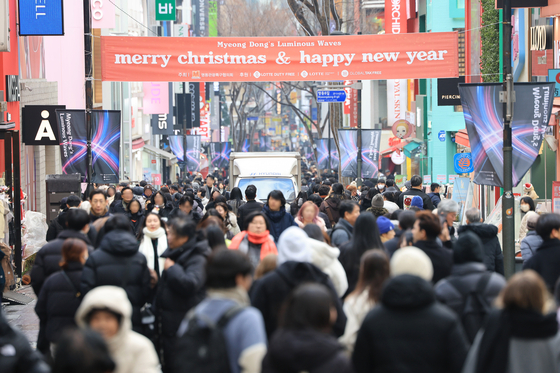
x,y
225,207
374,271
153,198
528,200
309,306
141,230
236,194
366,235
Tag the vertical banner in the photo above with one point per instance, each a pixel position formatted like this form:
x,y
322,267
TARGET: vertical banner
x,y
194,148
323,154
73,141
371,143
183,102
246,144
225,153
215,154
396,23
348,141
194,90
177,147
484,119
105,145
156,97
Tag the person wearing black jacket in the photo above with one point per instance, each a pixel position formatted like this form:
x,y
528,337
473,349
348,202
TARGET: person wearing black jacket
x,y
294,269
17,355
98,201
160,205
59,224
136,215
251,206
60,296
546,260
416,190
186,204
303,343
117,262
410,332
406,222
488,234
181,286
48,257
425,234
121,206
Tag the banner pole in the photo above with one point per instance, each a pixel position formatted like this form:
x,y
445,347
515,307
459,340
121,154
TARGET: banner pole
x,y
508,201
359,167
88,57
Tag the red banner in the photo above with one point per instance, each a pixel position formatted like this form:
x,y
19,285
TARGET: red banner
x,y
368,57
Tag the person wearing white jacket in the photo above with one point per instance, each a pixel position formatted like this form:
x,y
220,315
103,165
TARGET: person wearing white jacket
x,y
153,242
107,310
325,257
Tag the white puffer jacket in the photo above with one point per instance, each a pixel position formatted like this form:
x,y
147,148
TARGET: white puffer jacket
x,y
325,257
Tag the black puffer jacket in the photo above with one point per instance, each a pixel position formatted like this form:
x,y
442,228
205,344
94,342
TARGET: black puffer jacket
x,y
58,301
410,332
56,226
294,351
488,234
16,355
162,212
117,262
269,292
48,258
441,257
181,286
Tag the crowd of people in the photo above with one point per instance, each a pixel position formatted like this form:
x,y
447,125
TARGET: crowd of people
x,y
194,277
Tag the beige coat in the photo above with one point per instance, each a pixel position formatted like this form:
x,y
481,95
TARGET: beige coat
x,y
132,352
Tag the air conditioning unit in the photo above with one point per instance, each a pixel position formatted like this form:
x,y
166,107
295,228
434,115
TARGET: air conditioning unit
x,y
4,26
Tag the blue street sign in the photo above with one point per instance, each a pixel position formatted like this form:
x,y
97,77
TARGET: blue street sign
x,y
41,18
463,163
253,118
331,96
441,135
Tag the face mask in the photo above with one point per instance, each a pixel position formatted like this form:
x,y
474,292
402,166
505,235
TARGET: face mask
x,y
381,186
524,208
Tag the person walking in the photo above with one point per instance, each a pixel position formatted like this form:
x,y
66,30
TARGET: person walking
x,y
309,214
235,200
521,336
251,206
160,205
230,219
488,234
107,310
228,278
294,268
181,286
532,241
331,205
117,262
405,198
374,271
434,194
136,215
470,282
526,204
275,211
83,351
121,206
59,224
99,208
304,341
256,242
406,223
343,231
153,242
60,296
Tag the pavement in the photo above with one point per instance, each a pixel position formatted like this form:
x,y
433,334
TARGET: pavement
x,y
23,317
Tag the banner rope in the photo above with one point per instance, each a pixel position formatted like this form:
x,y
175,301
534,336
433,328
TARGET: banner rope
x,y
134,19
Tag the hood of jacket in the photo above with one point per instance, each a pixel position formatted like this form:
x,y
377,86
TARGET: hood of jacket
x,y
69,233
274,216
333,202
301,350
114,299
295,273
468,268
484,231
407,292
322,254
195,245
119,242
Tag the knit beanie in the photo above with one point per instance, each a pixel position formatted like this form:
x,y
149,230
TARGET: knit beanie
x,y
377,201
468,248
532,218
293,245
384,225
411,260
417,202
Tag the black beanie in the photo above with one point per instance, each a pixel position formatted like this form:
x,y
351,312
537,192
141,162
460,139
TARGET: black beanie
x,y
468,248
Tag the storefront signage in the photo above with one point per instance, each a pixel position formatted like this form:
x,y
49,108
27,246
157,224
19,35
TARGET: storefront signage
x,y
462,163
39,126
40,17
523,3
542,37
102,14
448,91
554,76
556,197
427,179
165,10
441,136
411,56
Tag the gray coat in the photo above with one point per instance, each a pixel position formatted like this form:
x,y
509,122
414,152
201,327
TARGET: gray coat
x,y
530,244
535,356
341,233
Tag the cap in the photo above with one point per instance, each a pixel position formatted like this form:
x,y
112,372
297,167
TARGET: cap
x,y
384,224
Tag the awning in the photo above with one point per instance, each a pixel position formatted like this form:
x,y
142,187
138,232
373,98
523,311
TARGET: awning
x,y
158,152
138,143
411,148
462,138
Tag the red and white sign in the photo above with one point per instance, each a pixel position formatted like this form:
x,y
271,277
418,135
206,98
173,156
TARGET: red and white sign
x,y
102,14
172,59
154,161
351,103
156,97
556,196
397,90
156,178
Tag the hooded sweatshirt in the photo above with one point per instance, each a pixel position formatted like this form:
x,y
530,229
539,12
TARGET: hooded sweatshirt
x,y
132,352
325,257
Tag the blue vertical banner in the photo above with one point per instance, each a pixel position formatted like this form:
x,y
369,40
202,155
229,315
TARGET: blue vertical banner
x,y
73,141
323,155
192,153
105,145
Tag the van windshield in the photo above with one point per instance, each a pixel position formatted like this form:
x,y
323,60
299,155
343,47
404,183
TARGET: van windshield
x,y
265,186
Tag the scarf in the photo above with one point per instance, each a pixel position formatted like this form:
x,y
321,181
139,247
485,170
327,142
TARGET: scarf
x,y
147,248
267,245
501,326
236,294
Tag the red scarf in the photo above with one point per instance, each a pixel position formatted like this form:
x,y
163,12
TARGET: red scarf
x,y
263,239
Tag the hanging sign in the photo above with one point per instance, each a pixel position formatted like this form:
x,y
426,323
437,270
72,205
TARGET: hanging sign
x,y
218,59
462,163
39,125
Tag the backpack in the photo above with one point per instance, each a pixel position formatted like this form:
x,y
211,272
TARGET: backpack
x,y
336,227
476,308
202,348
